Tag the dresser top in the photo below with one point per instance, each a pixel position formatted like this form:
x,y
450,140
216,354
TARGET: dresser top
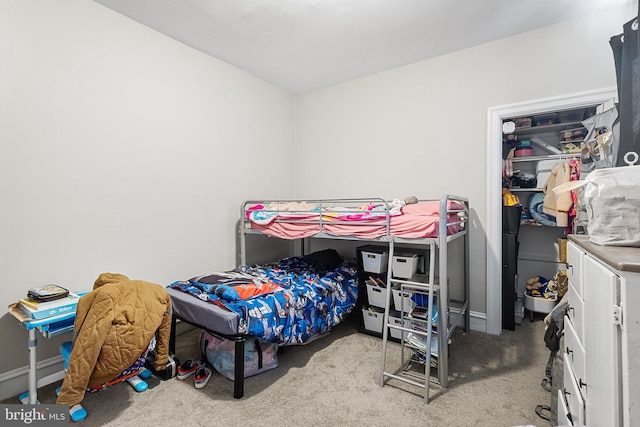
x,y
619,257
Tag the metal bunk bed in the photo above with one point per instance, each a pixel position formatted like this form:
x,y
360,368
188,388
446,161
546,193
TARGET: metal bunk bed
x,y
451,225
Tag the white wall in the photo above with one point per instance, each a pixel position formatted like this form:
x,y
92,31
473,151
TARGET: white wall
x,y
421,129
118,142
122,151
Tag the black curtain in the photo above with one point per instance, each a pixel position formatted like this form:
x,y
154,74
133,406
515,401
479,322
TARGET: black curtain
x,y
626,50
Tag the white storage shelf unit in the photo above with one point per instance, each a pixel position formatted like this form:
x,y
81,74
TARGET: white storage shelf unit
x,y
375,260
407,267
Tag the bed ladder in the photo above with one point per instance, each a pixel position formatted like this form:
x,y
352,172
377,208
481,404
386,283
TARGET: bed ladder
x,y
421,329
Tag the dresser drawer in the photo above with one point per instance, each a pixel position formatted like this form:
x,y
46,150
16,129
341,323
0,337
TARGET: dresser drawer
x,y
564,419
575,312
575,353
575,401
575,257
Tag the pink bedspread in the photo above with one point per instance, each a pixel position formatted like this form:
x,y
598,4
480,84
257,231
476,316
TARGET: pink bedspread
x,y
419,220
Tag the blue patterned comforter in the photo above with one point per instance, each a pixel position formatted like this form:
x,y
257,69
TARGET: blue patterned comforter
x,y
292,303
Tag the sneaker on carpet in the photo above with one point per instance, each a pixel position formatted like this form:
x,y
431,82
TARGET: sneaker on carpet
x,y
202,376
188,368
77,413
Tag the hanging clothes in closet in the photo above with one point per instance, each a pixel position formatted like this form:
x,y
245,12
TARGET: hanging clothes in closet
x,y
574,171
626,50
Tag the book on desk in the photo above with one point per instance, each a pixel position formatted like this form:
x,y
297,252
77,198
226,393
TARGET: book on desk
x,y
48,326
41,310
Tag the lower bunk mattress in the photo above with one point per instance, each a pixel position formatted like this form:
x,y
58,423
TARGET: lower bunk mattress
x,y
287,302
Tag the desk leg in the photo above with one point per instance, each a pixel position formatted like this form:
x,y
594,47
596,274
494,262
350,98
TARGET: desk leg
x,y
31,397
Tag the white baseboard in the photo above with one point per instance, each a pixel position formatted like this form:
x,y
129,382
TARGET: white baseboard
x,y
15,382
477,321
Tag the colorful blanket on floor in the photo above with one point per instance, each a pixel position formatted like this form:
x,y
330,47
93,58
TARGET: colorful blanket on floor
x,y
287,302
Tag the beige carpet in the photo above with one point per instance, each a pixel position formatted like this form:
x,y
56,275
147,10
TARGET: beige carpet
x,y
334,381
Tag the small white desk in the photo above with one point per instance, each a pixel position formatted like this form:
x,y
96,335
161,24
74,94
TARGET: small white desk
x,y
49,327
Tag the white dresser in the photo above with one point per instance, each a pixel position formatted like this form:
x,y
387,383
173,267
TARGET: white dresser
x,y
601,380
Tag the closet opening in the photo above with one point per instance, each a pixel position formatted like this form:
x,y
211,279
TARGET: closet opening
x,y
496,116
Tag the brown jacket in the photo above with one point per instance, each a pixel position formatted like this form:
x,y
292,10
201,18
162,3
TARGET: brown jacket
x,y
113,327
560,204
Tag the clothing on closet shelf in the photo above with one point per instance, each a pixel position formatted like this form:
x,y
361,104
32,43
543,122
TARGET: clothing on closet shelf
x,y
574,167
559,205
509,143
507,169
536,212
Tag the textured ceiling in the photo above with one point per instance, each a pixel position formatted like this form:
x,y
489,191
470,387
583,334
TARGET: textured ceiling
x,y
305,45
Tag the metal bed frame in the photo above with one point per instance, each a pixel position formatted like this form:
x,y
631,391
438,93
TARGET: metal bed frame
x,y
440,242
239,347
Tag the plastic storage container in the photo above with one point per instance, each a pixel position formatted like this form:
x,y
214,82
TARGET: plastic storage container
x,y
543,171
569,147
523,149
405,267
545,119
402,300
522,122
376,295
375,262
372,320
523,152
571,115
573,135
539,304
394,319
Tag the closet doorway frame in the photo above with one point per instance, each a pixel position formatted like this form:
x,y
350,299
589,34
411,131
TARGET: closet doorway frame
x,y
495,116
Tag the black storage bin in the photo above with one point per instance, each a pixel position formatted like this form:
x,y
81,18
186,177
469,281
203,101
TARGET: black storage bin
x,y
510,246
511,219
